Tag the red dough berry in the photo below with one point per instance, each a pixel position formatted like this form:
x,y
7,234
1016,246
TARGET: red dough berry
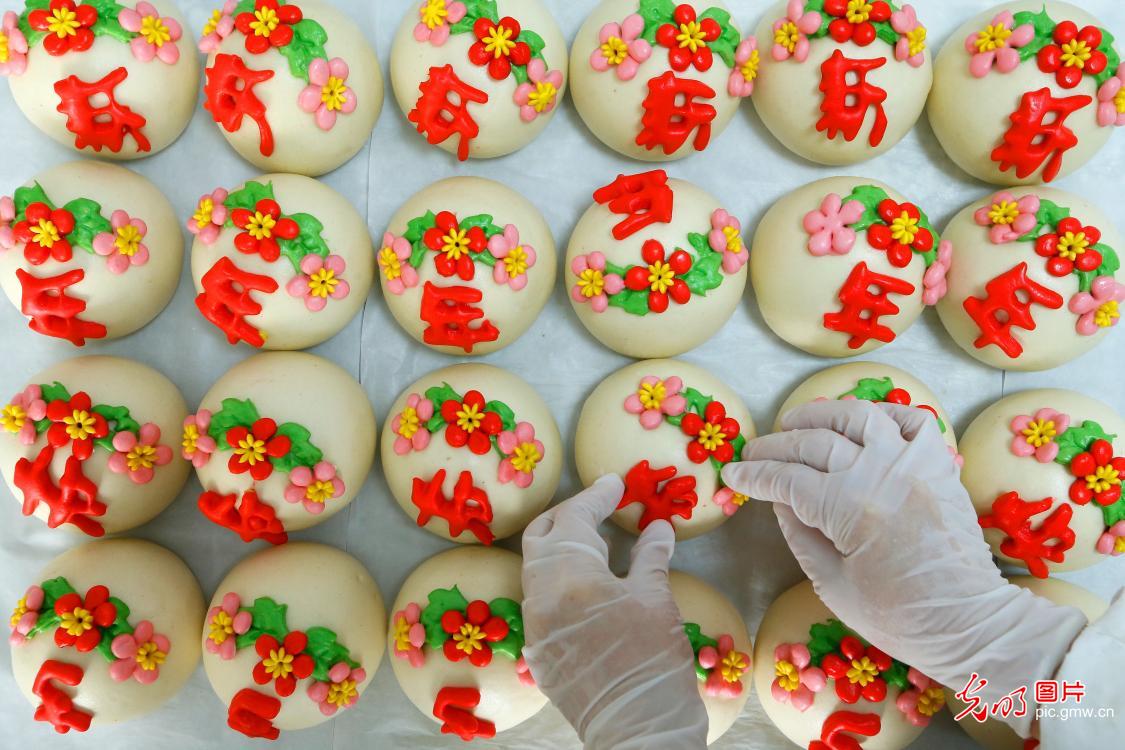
x,y
81,618
854,20
902,234
498,46
898,396
471,632
67,26
660,276
264,227
1098,475
268,25
1074,54
1070,247
688,39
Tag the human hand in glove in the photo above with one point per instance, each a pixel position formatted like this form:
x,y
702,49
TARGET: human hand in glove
x,y
609,652
870,501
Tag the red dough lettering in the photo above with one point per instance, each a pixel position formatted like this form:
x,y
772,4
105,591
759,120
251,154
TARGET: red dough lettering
x,y
57,708
672,114
1039,134
229,96
103,126
1012,515
859,317
832,733
438,117
73,500
845,103
1003,308
468,510
676,498
644,199
252,713
251,518
226,300
453,705
52,311
449,311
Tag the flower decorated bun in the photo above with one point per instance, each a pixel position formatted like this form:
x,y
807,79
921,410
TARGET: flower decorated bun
x,y
842,81
292,86
109,631
472,453
91,445
1036,278
466,265
817,679
655,266
1045,469
280,262
667,428
89,251
478,78
292,638
845,265
281,442
114,79
659,80
1027,92
456,640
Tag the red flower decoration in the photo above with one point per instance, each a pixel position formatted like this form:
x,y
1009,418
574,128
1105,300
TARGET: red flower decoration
x,y
454,246
712,433
75,422
1070,247
688,39
659,277
856,24
471,632
498,46
856,670
81,618
1073,54
468,423
67,26
264,226
1099,475
44,233
901,234
283,663
268,25
254,448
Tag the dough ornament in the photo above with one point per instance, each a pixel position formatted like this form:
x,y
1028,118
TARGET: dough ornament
x,y
1044,80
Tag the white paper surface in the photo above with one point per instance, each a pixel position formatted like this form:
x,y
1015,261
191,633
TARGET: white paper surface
x,y
746,558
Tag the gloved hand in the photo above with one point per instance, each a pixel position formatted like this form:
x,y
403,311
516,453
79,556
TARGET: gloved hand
x,y
609,652
871,503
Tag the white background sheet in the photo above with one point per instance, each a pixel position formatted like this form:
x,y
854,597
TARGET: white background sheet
x,y
746,558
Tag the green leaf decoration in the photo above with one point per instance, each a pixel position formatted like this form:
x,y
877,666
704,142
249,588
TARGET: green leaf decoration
x,y
235,413
1078,440
120,421
727,43
656,13
696,402
25,196
88,223
440,602
507,416
509,611
326,652
824,638
54,392
301,451
484,221
870,196
247,197
886,32
475,9
698,640
871,389
120,626
308,242
1114,513
308,42
535,42
1113,60
1044,29
268,618
898,675
247,6
1047,218
107,23
706,272
631,301
417,228
1111,264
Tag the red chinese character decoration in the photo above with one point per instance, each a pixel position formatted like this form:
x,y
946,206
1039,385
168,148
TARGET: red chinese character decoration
x,y
439,117
252,713
57,708
449,310
676,497
226,300
52,311
1007,305
467,510
672,114
1039,134
453,706
1012,515
859,317
229,96
834,731
643,199
73,500
251,518
106,124
848,97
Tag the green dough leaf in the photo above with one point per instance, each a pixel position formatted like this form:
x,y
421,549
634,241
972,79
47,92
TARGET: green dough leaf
x,y
475,9
308,242
631,301
1111,264
326,651
301,452
824,638
656,13
898,675
25,196
120,626
870,196
107,23
307,45
235,413
1078,440
417,227
88,223
1114,513
54,392
248,197
440,602
886,32
1044,28
484,221
509,611
268,618
438,395
1113,60
696,402
871,389
705,273
698,640
120,421
507,416
727,44
535,42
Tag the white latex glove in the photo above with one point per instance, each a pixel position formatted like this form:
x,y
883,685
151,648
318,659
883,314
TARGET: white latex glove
x,y
870,501
610,653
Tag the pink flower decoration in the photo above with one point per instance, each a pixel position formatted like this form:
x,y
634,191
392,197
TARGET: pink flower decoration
x,y
203,445
314,487
810,680
1006,58
1110,112
512,258
729,500
1112,542
1045,453
30,399
737,84
410,635
134,654
904,22
122,250
594,284
1098,308
717,684
523,672
806,23
136,456
206,224
410,425
165,49
32,603
438,35
240,623
1024,222
671,404
7,213
339,674
404,275
522,454
637,50
908,701
320,279
935,283
326,96
537,74
829,227
224,25
726,233
17,46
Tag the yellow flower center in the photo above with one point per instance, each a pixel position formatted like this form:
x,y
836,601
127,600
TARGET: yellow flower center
x,y
45,233
904,229
993,37
733,666
319,492
155,31
456,243
749,69
342,693
389,262
525,458
931,701
278,664
141,457
1076,53
543,96
1103,478
1004,212
863,671
711,436
1119,101
916,38
222,627
402,635
63,22
250,450
734,239
18,612
1107,314
13,417
433,13
1073,244
615,50
265,21
691,36
1039,432
591,282
739,499
334,94
77,621
408,422
205,210
858,11
149,656
213,22
5,52
652,394
261,226
469,417
190,438
323,283
79,425
660,276
788,676
128,240
515,262
469,638
499,41
787,36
